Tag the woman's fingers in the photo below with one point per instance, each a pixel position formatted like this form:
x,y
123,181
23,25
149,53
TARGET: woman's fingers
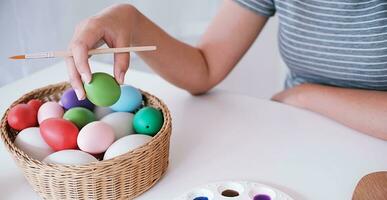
x,y
81,60
75,79
121,60
88,34
121,65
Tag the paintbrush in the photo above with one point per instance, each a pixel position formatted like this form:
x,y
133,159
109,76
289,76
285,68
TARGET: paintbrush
x,y
57,54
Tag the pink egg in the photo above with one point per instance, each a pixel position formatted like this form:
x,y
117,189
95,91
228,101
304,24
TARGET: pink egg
x,y
95,137
50,110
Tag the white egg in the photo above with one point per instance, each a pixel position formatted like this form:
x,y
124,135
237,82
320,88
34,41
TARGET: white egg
x,y
101,112
126,144
49,110
31,142
70,157
121,122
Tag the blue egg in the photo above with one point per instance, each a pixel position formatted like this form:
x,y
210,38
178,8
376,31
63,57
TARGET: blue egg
x,y
129,100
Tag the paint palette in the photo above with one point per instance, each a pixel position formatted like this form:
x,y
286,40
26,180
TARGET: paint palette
x,y
234,190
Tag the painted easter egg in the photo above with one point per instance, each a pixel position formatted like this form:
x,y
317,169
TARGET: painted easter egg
x,y
121,122
79,116
70,157
95,137
50,110
35,104
126,144
31,142
22,116
148,121
59,134
101,112
69,100
130,99
103,90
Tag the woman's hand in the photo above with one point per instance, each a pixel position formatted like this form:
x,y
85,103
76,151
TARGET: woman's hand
x,y
111,26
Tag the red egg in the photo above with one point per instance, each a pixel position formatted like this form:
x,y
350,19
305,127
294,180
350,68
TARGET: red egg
x,y
59,134
22,116
35,103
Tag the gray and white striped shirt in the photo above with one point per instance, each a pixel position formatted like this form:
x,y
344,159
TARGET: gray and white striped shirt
x,y
333,42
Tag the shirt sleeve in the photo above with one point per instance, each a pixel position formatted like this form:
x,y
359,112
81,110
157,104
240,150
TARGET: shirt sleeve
x,y
261,7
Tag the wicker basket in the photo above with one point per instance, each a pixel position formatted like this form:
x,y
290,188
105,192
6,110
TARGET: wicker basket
x,y
123,177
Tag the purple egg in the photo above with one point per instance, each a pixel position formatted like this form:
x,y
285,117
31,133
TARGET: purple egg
x,y
69,100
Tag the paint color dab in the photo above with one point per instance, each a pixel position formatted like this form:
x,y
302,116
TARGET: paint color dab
x,y
261,197
230,193
200,198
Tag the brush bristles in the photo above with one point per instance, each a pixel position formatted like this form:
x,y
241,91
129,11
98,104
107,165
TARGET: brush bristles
x,y
18,57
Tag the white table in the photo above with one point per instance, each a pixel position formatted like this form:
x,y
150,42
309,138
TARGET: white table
x,y
223,136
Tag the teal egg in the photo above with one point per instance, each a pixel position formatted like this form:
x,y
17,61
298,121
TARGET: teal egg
x,y
79,116
148,121
103,90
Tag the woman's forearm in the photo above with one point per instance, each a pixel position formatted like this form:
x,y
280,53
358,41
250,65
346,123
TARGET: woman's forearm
x,y
179,63
198,69
362,110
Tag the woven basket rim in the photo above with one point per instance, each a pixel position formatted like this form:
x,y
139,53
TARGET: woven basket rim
x,y
16,152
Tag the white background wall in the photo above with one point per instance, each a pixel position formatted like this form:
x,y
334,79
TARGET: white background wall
x,y
41,25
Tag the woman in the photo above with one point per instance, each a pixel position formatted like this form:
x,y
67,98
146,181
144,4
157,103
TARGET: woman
x,y
336,52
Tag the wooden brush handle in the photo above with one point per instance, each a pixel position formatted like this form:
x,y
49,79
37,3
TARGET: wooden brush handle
x,y
107,51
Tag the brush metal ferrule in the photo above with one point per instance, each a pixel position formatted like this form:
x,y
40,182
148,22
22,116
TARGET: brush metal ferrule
x,y
40,55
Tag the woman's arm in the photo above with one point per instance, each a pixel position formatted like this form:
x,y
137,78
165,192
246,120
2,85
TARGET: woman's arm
x,y
195,69
362,110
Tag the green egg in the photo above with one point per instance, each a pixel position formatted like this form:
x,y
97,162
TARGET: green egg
x,y
103,90
148,121
79,116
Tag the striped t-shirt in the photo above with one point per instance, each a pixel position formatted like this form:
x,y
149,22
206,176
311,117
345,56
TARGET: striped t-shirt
x,y
333,42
